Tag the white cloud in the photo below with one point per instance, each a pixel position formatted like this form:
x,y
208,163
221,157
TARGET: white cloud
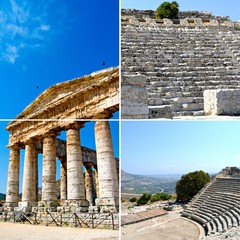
x,y
21,27
10,54
26,27
45,27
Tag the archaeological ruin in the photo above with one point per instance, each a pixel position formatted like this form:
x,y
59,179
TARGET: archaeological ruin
x,y
176,68
217,206
66,106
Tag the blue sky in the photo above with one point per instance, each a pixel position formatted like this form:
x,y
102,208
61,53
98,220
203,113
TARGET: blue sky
x,y
219,8
50,41
177,147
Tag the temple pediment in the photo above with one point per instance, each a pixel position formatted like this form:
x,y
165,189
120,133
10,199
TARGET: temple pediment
x,y
77,94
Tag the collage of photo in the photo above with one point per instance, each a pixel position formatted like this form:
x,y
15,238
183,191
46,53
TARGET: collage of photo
x,y
120,120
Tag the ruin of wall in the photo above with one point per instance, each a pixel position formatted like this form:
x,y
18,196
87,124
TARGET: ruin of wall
x,y
177,59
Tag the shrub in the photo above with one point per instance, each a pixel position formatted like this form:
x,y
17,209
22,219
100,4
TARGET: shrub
x,y
133,199
167,10
164,196
160,197
154,198
144,199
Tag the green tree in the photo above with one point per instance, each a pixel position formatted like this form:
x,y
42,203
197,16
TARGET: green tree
x,y
133,199
144,199
168,10
190,184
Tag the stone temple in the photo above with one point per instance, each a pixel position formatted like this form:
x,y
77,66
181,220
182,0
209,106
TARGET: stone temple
x,y
66,107
184,67
217,206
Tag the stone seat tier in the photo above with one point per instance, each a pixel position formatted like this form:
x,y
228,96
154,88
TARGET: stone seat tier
x,y
194,59
229,219
217,207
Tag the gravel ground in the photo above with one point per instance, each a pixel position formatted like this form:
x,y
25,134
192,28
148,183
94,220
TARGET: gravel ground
x,y
168,227
15,231
233,234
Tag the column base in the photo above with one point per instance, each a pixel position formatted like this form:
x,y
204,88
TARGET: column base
x,y
76,205
107,204
48,205
26,206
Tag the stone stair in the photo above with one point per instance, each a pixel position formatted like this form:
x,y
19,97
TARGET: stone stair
x,y
180,62
217,206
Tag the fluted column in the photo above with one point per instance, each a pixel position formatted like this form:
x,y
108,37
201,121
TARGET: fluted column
x,y
107,174
49,185
13,177
29,174
96,182
63,180
75,178
89,184
35,177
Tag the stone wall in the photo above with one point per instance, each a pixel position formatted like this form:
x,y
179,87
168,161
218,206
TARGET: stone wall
x,y
180,59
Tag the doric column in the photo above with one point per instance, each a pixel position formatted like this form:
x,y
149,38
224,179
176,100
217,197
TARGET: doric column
x,y
63,180
35,177
96,182
75,178
89,184
13,177
49,185
29,175
107,174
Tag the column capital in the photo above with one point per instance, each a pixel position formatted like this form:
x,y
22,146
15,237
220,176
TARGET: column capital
x,y
16,146
51,133
75,125
31,141
106,114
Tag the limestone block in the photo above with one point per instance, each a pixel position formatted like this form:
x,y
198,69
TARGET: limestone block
x,y
160,112
93,209
222,102
134,97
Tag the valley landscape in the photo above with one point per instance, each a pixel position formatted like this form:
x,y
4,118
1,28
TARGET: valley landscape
x,y
134,184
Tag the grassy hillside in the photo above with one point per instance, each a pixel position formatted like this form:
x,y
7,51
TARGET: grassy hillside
x,y
138,184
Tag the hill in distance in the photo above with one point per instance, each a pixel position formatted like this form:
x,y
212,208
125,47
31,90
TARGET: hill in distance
x,y
139,184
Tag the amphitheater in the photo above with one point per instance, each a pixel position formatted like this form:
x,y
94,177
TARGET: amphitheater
x,y
214,213
184,67
217,206
86,200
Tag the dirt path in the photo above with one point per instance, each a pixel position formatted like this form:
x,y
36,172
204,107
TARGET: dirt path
x,y
168,227
15,231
